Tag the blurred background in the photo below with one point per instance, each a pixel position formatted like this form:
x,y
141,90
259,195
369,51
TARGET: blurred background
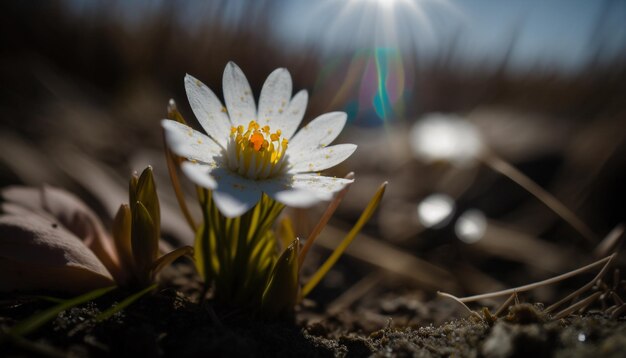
x,y
84,85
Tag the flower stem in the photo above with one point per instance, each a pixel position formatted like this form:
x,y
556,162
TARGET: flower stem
x,y
323,221
171,167
330,262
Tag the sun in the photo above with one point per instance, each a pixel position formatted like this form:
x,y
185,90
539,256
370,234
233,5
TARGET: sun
x,y
386,4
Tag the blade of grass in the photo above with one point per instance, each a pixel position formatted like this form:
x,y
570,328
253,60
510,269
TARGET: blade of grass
x,y
323,221
578,305
618,311
125,303
610,242
180,197
354,293
458,300
583,289
50,299
39,319
281,293
285,232
168,258
173,113
505,305
534,285
365,216
503,167
122,237
391,259
172,160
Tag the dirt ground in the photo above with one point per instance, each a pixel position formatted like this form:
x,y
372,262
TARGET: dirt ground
x,y
171,322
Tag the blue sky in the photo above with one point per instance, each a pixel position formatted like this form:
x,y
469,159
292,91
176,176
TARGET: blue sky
x,y
549,32
558,33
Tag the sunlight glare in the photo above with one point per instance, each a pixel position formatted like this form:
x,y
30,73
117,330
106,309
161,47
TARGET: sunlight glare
x,y
386,4
435,210
446,137
471,226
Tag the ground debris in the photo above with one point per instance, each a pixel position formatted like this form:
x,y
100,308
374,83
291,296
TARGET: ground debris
x,y
172,323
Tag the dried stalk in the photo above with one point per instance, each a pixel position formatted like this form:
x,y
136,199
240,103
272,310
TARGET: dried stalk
x,y
461,303
323,221
578,305
549,281
503,167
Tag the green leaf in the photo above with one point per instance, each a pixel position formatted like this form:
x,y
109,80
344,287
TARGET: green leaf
x,y
39,319
365,216
132,190
324,220
144,240
122,237
205,242
168,258
125,303
281,294
147,195
173,113
285,232
200,252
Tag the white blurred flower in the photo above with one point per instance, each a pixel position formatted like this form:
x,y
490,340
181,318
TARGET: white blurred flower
x,y
250,151
446,137
471,226
435,210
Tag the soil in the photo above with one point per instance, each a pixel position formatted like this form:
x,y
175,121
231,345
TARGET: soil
x,y
171,322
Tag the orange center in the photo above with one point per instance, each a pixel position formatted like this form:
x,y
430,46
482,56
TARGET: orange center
x,y
257,141
256,152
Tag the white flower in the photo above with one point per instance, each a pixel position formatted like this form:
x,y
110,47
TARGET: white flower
x,y
471,226
249,151
435,210
446,137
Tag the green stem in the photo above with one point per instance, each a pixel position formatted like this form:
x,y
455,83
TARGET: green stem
x,y
125,303
39,319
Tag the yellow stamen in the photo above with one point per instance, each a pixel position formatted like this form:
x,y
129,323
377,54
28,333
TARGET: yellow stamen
x,y
256,152
257,140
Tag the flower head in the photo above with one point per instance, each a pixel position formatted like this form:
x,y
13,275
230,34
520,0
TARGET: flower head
x,y
249,151
442,137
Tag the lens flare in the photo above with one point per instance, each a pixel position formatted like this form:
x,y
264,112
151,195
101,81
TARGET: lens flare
x,y
471,226
377,77
435,210
382,36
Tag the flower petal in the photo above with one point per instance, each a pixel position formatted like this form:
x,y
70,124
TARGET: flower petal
x,y
320,159
189,143
324,186
234,195
208,110
275,96
71,212
281,190
238,96
292,117
303,190
200,174
36,253
319,133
